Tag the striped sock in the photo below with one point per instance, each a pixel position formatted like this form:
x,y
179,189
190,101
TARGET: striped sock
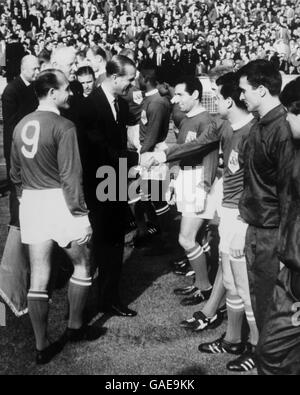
x,y
197,259
235,311
254,335
38,308
77,295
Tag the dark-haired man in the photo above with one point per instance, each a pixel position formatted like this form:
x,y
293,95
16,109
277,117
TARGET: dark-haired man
x,y
86,77
279,345
195,187
268,166
232,233
46,169
107,144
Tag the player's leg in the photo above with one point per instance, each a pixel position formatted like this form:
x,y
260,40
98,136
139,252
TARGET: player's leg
x,y
231,342
235,305
213,312
80,283
38,299
187,239
248,360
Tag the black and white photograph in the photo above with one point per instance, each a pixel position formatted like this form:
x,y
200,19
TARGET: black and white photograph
x,y
150,190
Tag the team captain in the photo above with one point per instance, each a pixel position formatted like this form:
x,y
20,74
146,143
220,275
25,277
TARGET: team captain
x,y
46,168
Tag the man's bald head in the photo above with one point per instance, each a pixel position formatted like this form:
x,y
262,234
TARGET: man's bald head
x,y
29,67
64,59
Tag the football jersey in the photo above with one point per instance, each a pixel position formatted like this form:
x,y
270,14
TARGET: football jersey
x,y
45,155
233,144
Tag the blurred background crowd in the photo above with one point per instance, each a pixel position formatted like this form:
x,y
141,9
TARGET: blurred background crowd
x,y
176,35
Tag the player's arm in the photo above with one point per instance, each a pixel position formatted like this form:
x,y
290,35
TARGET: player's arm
x,y
203,144
156,115
70,171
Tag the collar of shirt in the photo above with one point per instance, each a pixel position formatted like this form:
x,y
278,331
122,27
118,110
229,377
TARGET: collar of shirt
x,y
48,108
25,81
151,93
239,125
272,115
111,99
108,95
194,112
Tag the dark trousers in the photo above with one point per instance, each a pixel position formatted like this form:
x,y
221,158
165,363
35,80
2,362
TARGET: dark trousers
x,y
263,269
278,350
108,223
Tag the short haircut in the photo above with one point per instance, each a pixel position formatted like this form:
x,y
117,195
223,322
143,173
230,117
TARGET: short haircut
x,y
262,72
290,96
98,51
117,65
46,80
192,84
150,76
229,84
85,70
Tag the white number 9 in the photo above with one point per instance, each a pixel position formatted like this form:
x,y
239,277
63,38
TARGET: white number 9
x,y
33,141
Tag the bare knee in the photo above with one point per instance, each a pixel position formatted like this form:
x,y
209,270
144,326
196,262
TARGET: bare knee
x,y
81,261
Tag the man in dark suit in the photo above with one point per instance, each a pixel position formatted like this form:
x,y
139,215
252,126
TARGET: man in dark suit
x,y
162,64
18,100
106,135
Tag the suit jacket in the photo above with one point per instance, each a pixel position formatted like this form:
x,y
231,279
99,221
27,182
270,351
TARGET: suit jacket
x,y
14,54
17,101
106,140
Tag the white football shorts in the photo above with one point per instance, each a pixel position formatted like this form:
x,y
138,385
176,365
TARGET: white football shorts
x,y
44,215
192,200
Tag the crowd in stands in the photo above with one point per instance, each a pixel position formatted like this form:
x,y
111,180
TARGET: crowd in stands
x,y
218,32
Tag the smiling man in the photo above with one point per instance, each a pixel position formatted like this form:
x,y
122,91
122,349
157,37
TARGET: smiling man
x,y
106,138
47,172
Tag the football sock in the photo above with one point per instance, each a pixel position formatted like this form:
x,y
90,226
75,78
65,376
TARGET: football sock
x,y
164,219
38,307
235,311
77,295
254,335
197,260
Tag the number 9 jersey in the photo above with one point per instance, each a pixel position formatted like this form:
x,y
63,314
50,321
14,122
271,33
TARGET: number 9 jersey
x,y
45,156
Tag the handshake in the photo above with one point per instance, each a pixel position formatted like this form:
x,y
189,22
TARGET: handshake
x,y
151,159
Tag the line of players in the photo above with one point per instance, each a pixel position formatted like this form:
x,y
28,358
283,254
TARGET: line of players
x,y
198,192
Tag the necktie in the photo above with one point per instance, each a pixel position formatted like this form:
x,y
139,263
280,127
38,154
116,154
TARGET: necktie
x,y
116,105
